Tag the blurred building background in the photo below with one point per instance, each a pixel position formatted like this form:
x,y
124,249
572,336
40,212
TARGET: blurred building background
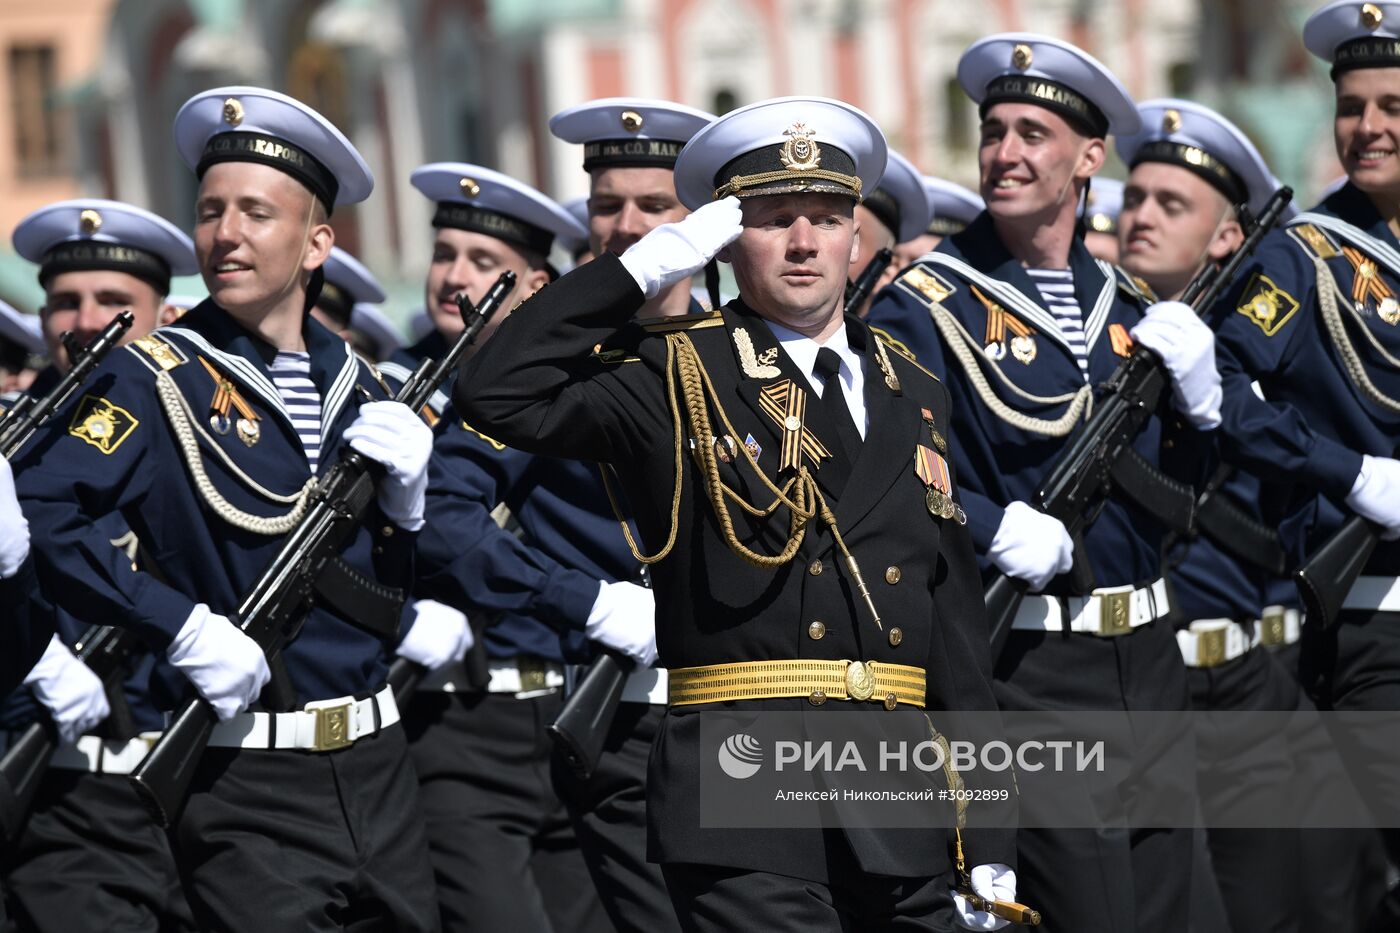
x,y
88,88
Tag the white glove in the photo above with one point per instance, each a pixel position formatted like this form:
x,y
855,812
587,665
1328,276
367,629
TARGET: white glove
x,y
438,636
389,433
14,529
1376,494
1187,347
225,666
994,882
624,617
73,694
673,252
1032,546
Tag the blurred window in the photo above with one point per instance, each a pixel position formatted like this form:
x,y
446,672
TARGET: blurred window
x,y
32,87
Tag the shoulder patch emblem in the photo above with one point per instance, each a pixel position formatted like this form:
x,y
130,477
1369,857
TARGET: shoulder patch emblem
x,y
100,423
1266,305
161,353
928,284
490,440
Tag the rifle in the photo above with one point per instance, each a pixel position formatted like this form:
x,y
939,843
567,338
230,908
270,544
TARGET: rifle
x,y
1101,456
274,608
21,421
1325,578
104,649
590,708
859,290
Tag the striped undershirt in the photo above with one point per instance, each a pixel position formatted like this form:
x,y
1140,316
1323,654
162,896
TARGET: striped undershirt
x,y
291,374
1057,289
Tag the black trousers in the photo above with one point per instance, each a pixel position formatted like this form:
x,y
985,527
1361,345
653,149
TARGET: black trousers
x,y
711,899
503,848
290,840
90,858
609,811
1113,877
1258,871
1343,869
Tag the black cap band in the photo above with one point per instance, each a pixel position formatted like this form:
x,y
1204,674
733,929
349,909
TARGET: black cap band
x,y
1370,52
1196,160
501,226
240,146
1052,95
945,226
818,169
336,302
87,255
633,153
885,208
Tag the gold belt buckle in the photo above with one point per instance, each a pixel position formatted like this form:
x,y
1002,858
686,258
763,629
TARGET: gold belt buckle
x,y
1272,630
860,681
532,673
333,727
1116,613
1210,647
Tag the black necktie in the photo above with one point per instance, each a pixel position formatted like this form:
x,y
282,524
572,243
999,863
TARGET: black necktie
x,y
828,366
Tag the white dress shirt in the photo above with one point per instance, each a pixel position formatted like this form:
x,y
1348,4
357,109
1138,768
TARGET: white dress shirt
x,y
802,351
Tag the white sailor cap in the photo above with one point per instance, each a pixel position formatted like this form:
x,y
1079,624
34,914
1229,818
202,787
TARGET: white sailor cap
x,y
20,328
954,207
479,200
1196,138
92,233
252,124
1102,205
1035,69
782,146
347,284
636,132
374,324
900,201
1353,35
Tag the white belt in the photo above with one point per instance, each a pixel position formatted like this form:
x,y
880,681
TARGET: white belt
x,y
1213,642
525,677
100,756
1109,611
1278,626
645,686
1375,593
322,726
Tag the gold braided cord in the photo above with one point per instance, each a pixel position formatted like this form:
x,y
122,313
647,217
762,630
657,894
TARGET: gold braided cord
x,y
683,365
1327,292
739,182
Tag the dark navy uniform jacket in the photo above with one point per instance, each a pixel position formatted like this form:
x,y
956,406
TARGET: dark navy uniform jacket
x,y
115,449
24,634
999,462
540,587
1316,423
541,388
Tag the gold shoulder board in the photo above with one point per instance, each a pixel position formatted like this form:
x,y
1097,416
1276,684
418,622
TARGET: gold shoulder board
x,y
1313,240
925,284
899,347
163,354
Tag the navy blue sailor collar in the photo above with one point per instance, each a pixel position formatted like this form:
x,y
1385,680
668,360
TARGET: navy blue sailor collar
x,y
246,357
1351,204
980,246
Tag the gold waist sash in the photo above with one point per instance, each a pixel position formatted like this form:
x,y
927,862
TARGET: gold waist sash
x,y
818,681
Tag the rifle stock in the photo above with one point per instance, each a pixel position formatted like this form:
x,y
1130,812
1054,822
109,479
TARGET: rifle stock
x,y
272,611
586,716
1084,474
858,291
1326,577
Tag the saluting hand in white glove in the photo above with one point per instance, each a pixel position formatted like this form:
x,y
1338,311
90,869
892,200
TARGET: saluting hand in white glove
x,y
674,252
